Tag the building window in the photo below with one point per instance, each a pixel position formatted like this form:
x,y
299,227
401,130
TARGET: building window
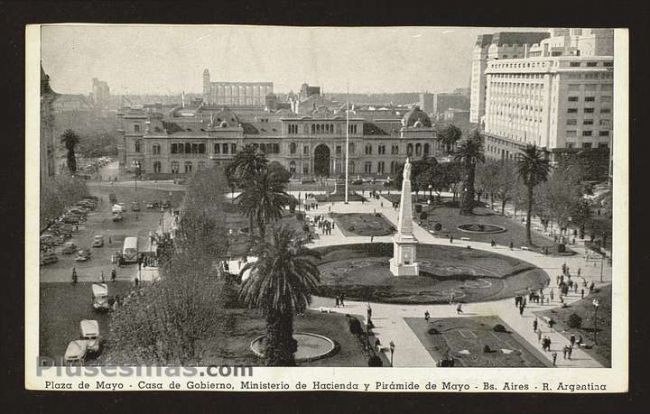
x,y
195,148
224,148
188,148
352,148
305,169
603,133
292,148
587,133
137,145
367,167
394,150
175,167
573,99
590,98
233,148
305,150
157,166
592,64
426,149
136,128
352,129
605,123
188,167
351,167
201,148
173,149
572,122
605,99
155,148
586,145
381,149
380,167
572,110
292,167
589,110
418,149
574,64
409,150
605,110
588,122
368,149
217,148
603,145
570,133
338,150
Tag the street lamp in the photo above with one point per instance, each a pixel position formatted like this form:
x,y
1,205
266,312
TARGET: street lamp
x,y
137,165
392,352
596,304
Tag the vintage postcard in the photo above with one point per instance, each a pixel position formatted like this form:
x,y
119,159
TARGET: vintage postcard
x,y
377,209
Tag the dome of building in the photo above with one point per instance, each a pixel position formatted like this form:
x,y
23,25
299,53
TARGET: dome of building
x,y
416,118
225,118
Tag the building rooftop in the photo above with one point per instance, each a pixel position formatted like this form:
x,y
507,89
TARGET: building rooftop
x,y
518,38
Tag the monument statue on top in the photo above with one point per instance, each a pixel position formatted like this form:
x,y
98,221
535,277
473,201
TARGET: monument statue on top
x,y
404,262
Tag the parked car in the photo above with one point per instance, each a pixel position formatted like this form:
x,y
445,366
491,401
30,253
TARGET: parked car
x,y
48,257
135,206
90,332
71,219
166,204
100,297
117,217
98,240
83,255
76,352
69,248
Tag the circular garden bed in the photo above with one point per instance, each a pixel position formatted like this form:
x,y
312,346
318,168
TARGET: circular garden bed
x,y
481,228
311,346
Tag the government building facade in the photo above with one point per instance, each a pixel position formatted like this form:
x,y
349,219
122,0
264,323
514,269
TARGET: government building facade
x,y
186,139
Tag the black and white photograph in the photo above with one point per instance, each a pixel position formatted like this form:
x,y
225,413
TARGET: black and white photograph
x,y
278,208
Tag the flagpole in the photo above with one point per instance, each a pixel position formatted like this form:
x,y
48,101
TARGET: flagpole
x,y
347,140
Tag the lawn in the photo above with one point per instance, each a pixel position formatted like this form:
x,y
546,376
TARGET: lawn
x,y
362,272
62,307
339,197
363,224
446,213
464,339
584,308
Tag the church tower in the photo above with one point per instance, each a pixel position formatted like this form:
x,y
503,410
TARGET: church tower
x,y
206,86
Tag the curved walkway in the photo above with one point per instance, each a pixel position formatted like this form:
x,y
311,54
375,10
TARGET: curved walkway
x,y
389,318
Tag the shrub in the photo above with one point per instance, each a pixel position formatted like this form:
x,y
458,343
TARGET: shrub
x,y
418,208
300,215
561,248
574,321
486,349
423,215
499,328
375,361
355,326
437,227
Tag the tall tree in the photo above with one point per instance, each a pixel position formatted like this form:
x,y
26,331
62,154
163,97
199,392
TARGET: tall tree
x,y
280,284
487,178
449,136
469,153
248,162
264,197
70,139
533,167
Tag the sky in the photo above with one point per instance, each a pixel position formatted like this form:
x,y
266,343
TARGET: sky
x,y
167,59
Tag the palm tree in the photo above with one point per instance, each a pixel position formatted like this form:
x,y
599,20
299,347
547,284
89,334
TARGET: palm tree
x,y
280,284
70,139
469,153
247,163
533,167
263,198
448,136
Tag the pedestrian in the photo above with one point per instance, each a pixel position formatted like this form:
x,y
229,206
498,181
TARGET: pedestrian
x,y
579,272
372,238
539,335
426,316
451,239
512,245
101,276
564,352
521,310
137,281
337,301
109,240
572,339
381,204
554,358
575,288
342,299
459,308
582,293
535,325
551,294
569,350
493,243
113,275
74,276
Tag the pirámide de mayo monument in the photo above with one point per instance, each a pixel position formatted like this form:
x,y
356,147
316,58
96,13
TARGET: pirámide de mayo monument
x,y
404,262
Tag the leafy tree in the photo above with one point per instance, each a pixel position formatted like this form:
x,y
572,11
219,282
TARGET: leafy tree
x,y
507,183
70,139
280,284
469,153
558,197
488,178
581,215
449,136
57,193
533,167
420,180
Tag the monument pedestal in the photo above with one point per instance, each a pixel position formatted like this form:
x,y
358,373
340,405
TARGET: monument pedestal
x,y
404,255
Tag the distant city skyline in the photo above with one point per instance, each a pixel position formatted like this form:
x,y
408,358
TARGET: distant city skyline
x,y
169,59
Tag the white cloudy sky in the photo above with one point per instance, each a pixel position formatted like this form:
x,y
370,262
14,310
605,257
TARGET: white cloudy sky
x,y
170,59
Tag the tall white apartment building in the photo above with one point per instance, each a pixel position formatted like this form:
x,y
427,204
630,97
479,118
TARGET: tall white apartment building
x,y
556,102
497,46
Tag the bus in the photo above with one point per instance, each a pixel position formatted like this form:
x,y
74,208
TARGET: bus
x,y
130,250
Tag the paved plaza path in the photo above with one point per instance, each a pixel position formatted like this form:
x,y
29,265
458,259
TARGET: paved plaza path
x,y
389,318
